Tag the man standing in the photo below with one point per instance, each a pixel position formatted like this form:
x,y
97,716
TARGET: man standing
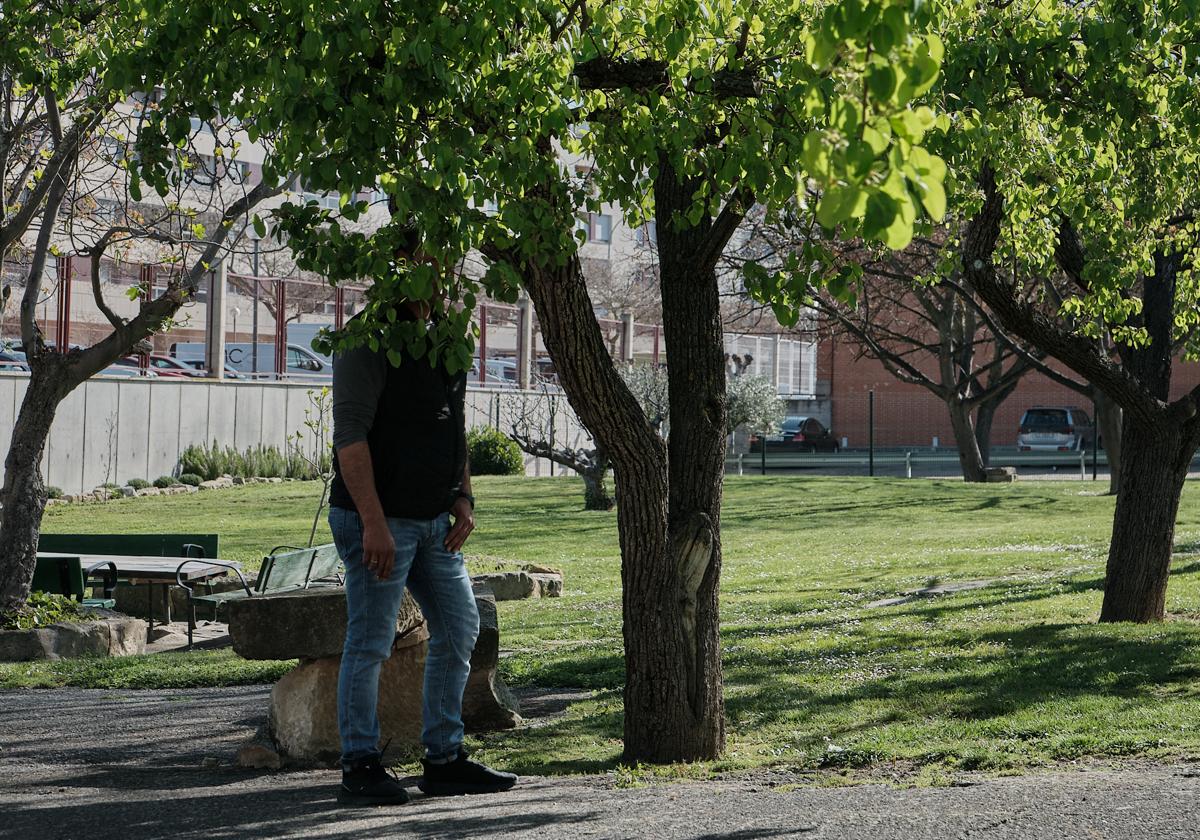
x,y
401,509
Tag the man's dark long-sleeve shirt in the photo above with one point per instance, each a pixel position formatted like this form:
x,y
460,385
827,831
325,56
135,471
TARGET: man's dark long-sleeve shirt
x,y
411,418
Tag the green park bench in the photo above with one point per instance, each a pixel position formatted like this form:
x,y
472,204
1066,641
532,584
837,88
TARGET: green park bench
x,y
285,569
65,575
150,545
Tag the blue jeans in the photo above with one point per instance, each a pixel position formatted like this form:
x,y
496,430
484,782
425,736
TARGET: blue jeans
x,y
440,584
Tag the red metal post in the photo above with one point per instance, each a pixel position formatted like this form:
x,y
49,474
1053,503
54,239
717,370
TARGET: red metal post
x,y
62,329
280,329
146,277
483,344
339,308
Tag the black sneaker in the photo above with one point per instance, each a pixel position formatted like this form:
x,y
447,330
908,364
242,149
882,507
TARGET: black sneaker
x,y
368,783
462,775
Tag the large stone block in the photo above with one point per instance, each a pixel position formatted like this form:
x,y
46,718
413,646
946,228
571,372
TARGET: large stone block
x,y
114,635
508,586
1001,475
524,583
303,719
487,702
304,624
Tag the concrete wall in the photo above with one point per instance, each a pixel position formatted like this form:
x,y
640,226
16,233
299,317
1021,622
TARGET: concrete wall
x,y
118,429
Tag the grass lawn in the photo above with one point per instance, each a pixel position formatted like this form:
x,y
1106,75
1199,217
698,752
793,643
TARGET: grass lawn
x,y
1012,675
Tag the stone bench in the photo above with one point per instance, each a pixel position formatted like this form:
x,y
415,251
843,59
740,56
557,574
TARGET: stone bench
x,y
310,625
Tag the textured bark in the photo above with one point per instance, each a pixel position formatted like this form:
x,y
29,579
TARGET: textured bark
x,y
24,493
595,487
668,509
1139,557
1108,427
970,458
683,719
985,417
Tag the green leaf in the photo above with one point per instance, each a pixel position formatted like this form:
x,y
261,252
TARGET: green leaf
x,y
839,203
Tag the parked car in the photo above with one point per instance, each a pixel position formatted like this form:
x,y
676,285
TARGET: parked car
x,y
13,361
163,366
125,371
302,364
1055,429
202,367
799,434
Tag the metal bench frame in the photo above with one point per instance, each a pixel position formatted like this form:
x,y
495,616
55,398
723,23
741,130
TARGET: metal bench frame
x,y
262,586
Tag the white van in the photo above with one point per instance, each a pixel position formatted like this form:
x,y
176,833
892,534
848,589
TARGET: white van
x,y
301,362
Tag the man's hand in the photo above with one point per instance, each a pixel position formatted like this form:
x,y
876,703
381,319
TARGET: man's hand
x,y
379,549
464,524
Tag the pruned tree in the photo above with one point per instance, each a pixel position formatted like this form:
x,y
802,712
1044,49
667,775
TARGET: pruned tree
x,y
533,419
70,145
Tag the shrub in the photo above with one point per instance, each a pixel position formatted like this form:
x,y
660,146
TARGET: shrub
x,y
42,609
138,483
191,479
211,461
493,452
54,492
166,481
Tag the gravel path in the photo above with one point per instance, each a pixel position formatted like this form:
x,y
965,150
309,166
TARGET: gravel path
x,y
131,765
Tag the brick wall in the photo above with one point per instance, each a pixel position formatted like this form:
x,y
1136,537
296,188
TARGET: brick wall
x,y
909,415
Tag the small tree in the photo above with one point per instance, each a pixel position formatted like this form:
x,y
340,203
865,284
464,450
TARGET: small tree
x,y
534,419
313,445
753,402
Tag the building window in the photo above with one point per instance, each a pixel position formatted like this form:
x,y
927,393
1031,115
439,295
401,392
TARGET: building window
x,y
646,236
596,227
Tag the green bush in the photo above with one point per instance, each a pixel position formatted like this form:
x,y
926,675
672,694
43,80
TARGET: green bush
x,y
166,481
109,485
138,483
493,452
54,492
191,479
42,609
213,461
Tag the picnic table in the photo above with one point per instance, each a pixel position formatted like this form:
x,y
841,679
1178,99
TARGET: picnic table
x,y
151,570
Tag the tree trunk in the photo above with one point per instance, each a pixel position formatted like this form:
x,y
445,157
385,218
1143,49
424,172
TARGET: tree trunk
x,y
675,601
1154,465
595,485
24,493
969,456
1108,426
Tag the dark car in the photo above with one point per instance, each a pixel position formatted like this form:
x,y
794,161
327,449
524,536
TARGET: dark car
x,y
1055,429
798,434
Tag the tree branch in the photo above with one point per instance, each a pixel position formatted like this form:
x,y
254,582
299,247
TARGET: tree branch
x,y
1077,352
648,75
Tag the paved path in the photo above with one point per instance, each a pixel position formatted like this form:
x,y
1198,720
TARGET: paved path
x,y
131,765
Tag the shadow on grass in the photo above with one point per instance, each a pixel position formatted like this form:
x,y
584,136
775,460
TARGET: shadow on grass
x,y
995,674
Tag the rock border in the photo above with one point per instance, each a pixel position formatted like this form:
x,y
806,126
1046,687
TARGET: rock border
x,y
105,494
113,634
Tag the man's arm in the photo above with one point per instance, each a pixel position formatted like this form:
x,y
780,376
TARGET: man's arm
x,y
379,549
464,515
358,380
